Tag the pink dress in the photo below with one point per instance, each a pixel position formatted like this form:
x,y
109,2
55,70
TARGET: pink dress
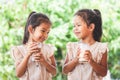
x,y
34,70
84,71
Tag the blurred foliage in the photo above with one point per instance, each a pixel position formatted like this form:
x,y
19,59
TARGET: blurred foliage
x,y
13,15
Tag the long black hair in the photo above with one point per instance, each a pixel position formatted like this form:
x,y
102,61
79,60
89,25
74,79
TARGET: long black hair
x,y
92,16
34,19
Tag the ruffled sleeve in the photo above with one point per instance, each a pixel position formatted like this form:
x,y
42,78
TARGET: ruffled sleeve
x,y
68,46
51,50
16,55
72,49
103,48
69,50
48,51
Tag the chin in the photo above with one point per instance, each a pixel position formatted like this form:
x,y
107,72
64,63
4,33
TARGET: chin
x,y
36,40
40,41
78,37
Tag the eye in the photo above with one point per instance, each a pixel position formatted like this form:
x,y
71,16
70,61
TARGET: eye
x,y
47,32
43,30
78,25
74,26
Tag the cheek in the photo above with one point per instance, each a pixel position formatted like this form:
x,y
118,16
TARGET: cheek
x,y
85,32
36,35
73,30
77,29
82,28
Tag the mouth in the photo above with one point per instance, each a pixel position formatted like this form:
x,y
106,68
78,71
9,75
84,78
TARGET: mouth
x,y
42,39
77,33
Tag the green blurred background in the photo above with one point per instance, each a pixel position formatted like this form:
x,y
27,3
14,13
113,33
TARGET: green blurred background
x,y
13,16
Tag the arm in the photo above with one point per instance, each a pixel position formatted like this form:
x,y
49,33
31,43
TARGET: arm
x,y
100,69
69,65
21,67
51,67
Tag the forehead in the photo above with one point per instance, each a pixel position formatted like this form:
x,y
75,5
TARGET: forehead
x,y
45,26
78,19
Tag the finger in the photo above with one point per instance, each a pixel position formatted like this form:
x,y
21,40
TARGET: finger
x,y
40,54
87,55
33,51
41,60
37,58
78,52
87,51
32,44
37,54
30,47
34,48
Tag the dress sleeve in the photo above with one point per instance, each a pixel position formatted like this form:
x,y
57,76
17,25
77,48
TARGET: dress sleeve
x,y
69,50
16,55
103,47
51,50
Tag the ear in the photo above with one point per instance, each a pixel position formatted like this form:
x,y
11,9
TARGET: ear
x,y
92,27
30,29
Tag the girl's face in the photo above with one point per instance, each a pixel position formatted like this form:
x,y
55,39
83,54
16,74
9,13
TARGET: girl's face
x,y
41,32
81,30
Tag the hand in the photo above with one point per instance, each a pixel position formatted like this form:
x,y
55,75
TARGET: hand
x,y
31,48
39,57
88,55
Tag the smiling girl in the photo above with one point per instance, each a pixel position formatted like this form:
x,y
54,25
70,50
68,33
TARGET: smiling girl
x,y
34,60
93,64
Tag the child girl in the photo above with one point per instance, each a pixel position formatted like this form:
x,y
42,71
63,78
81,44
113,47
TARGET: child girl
x,y
35,60
88,29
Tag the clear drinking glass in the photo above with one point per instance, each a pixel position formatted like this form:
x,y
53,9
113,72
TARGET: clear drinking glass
x,y
33,59
83,48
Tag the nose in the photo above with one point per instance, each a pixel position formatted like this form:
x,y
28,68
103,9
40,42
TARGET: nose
x,y
45,35
75,29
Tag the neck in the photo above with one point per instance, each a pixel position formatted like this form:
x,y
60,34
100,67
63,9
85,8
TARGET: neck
x,y
88,40
30,39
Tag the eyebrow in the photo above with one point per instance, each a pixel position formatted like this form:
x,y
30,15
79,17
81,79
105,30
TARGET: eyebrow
x,y
45,29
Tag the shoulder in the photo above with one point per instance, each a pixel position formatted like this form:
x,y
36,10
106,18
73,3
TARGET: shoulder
x,y
102,43
15,48
15,52
71,43
103,46
49,46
